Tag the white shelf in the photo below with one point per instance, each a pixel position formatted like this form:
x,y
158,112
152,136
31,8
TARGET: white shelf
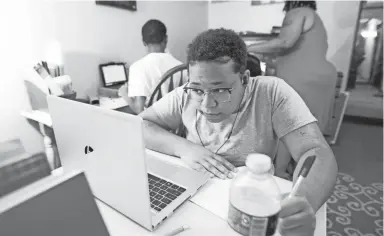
x,y
41,116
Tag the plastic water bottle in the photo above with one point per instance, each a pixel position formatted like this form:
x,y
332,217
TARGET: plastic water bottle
x,y
254,198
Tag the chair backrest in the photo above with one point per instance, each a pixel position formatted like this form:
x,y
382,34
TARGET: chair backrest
x,y
174,77
253,65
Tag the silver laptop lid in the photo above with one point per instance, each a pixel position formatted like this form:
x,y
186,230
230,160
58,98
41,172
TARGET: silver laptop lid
x,y
56,205
96,140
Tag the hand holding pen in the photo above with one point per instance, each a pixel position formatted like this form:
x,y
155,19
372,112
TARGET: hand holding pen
x,y
297,216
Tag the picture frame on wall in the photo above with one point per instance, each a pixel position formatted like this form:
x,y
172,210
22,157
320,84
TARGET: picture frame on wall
x,y
264,2
126,5
219,1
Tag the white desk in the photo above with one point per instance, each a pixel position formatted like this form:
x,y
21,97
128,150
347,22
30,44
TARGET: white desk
x,y
201,221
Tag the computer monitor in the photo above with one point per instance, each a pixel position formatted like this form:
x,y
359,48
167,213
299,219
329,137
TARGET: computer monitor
x,y
113,73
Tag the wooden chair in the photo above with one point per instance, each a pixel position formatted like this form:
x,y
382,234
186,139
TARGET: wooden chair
x,y
169,83
166,85
253,65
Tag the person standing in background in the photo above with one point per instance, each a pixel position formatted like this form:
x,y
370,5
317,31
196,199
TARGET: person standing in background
x,y
300,51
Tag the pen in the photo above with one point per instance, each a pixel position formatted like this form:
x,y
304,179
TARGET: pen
x,y
303,174
177,231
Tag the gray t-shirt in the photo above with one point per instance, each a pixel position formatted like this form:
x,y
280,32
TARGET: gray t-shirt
x,y
269,110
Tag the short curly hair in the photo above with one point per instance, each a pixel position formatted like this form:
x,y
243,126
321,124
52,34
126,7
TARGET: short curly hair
x,y
153,32
289,5
218,45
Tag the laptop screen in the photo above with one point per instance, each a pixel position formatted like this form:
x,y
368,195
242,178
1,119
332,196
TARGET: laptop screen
x,y
67,208
113,73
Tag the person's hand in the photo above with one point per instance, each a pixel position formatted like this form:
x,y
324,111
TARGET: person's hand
x,y
123,90
203,160
297,217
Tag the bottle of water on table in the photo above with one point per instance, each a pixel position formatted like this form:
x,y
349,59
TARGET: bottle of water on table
x,y
254,198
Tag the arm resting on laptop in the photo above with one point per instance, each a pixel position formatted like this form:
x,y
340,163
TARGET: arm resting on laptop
x,y
196,156
162,116
161,140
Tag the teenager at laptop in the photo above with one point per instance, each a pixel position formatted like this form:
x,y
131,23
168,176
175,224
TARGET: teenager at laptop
x,y
227,115
145,74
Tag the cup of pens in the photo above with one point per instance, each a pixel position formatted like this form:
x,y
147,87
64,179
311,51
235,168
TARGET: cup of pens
x,y
58,84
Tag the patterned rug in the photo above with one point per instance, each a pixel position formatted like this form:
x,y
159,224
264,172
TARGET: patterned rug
x,y
354,209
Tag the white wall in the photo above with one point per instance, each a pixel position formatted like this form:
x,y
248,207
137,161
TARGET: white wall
x,y
89,34
339,18
17,47
241,16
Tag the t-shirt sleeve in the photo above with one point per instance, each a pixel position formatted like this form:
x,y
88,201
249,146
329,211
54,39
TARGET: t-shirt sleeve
x,y
169,108
138,83
289,111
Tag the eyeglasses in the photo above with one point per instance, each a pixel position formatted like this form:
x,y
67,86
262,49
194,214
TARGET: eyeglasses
x,y
219,94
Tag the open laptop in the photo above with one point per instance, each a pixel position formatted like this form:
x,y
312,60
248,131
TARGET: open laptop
x,y
113,74
109,146
55,205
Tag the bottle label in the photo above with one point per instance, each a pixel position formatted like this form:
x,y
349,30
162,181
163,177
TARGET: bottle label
x,y
248,225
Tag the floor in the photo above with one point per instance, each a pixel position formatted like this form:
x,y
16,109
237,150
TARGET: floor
x,y
359,151
356,206
362,102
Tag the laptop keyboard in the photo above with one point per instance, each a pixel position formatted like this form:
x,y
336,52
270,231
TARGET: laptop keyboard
x,y
162,192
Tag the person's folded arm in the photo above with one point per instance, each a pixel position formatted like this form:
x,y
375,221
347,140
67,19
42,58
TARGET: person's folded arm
x,y
297,128
162,116
165,115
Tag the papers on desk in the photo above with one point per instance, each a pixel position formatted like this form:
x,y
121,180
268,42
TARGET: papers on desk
x,y
112,103
214,196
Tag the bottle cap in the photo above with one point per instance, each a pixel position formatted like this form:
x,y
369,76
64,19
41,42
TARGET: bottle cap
x,y
258,163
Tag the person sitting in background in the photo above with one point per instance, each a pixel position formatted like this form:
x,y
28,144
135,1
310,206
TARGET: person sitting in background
x,y
228,115
145,74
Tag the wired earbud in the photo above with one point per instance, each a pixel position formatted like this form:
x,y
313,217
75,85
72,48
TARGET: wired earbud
x,y
244,80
